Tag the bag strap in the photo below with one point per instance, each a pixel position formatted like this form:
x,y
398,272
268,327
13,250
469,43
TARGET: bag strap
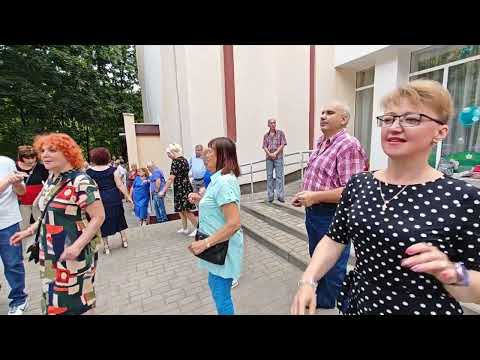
x,y
40,219
31,173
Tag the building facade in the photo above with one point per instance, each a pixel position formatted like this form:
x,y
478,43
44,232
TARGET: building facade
x,y
194,93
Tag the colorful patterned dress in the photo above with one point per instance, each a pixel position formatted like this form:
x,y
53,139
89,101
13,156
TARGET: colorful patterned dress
x,y
67,287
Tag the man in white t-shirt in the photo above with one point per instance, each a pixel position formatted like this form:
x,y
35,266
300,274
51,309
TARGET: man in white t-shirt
x,y
11,185
121,171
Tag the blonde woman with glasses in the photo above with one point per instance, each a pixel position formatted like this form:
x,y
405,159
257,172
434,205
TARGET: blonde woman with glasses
x,y
415,231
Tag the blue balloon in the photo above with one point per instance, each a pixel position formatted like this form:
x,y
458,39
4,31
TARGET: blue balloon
x,y
476,114
466,116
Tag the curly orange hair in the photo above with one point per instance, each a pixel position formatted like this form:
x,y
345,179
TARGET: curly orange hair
x,y
61,142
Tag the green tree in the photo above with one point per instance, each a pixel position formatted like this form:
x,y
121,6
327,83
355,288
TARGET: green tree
x,y
81,90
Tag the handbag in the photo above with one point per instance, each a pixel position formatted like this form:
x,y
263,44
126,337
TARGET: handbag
x,y
34,249
215,254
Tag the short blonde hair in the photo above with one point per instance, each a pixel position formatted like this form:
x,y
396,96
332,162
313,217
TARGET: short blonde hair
x,y
175,150
423,92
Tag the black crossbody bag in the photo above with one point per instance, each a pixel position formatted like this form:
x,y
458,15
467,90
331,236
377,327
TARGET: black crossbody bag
x,y
215,254
34,249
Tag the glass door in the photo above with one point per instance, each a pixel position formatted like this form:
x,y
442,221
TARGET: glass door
x,y
463,142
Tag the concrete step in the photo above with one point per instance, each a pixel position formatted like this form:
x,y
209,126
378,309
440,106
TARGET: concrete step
x,y
279,218
280,227
471,309
283,217
287,207
280,232
288,246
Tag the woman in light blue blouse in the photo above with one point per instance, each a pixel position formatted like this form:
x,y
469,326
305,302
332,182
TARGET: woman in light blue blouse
x,y
219,216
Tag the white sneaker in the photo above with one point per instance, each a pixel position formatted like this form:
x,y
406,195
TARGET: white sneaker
x,y
182,231
193,233
19,309
234,283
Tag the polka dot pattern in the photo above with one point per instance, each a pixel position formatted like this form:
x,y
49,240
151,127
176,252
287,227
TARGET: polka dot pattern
x,y
442,213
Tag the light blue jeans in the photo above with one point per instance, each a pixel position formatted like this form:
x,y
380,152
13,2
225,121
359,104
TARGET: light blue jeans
x,y
222,294
159,207
278,181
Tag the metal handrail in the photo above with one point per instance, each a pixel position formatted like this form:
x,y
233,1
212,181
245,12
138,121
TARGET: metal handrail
x,y
251,171
285,155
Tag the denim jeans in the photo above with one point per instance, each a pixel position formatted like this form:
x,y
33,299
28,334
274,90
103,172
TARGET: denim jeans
x,y
159,207
278,181
222,294
317,220
12,258
198,184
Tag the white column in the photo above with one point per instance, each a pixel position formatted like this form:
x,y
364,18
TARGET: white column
x,y
389,73
183,101
131,138
161,91
152,81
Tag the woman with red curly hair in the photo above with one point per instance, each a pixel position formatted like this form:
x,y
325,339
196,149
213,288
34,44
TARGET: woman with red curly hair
x,y
69,233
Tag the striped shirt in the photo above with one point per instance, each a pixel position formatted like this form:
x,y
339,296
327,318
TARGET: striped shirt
x,y
332,164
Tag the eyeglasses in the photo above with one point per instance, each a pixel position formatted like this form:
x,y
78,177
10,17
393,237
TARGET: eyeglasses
x,y
405,120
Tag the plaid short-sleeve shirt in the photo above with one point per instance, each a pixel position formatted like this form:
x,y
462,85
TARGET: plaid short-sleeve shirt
x,y
331,167
273,141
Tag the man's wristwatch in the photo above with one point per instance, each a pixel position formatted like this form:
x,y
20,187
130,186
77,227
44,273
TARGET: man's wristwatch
x,y
311,283
462,275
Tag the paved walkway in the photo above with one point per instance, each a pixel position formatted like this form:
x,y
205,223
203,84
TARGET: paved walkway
x,y
157,275
281,228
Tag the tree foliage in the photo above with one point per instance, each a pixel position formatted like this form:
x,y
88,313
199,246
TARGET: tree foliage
x,y
81,90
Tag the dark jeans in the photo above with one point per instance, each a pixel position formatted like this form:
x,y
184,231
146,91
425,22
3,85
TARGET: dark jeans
x,y
12,258
159,207
317,221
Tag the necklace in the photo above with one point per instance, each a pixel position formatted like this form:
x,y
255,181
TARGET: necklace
x,y
386,202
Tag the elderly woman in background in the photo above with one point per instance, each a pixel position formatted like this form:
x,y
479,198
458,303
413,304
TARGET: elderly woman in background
x,y
219,218
140,193
111,187
181,188
69,231
132,174
35,176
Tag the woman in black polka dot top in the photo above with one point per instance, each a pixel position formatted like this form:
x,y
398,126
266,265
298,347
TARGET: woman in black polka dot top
x,y
416,232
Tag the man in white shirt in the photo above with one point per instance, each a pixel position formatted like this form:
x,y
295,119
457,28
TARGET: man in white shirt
x,y
11,185
197,168
121,171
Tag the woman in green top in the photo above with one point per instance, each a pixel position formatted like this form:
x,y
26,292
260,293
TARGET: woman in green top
x,y
219,216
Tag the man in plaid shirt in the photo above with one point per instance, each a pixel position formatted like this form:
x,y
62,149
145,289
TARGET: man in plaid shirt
x,y
337,157
273,143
